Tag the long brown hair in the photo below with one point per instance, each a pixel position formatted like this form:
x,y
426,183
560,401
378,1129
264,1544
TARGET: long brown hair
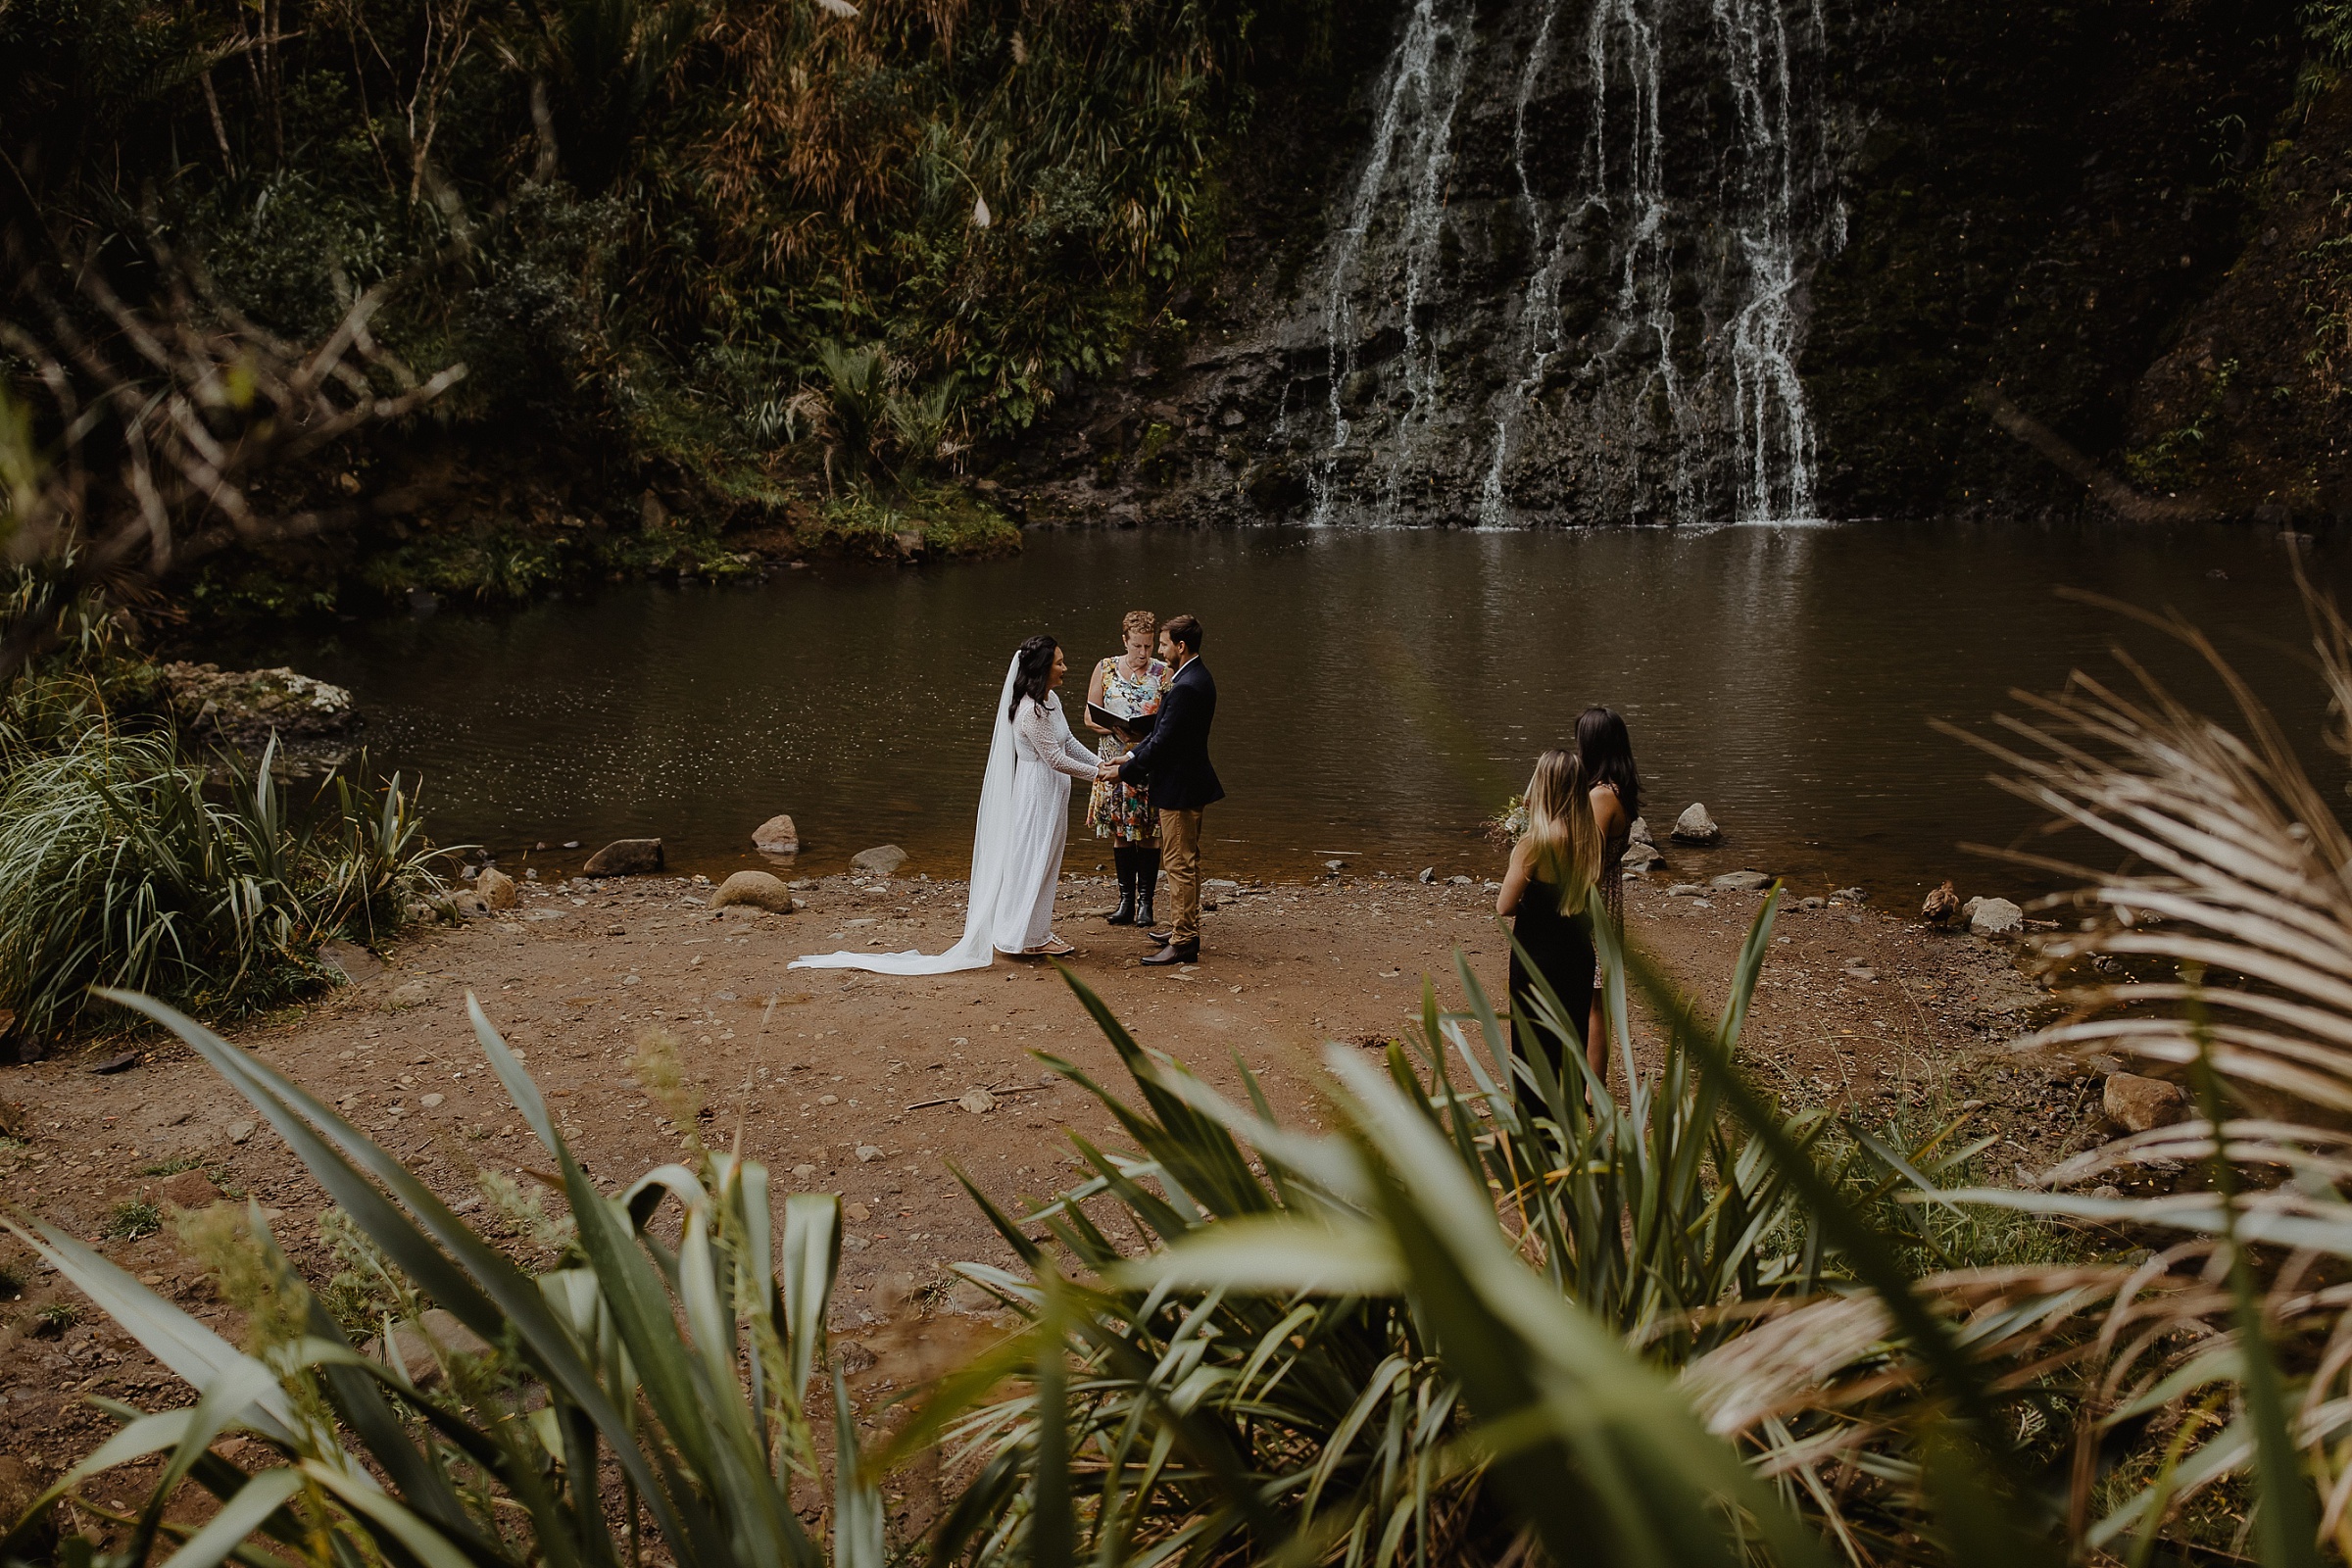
x,y
1560,827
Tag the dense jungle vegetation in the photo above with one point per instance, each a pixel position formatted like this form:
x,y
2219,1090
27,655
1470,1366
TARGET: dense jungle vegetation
x,y
707,264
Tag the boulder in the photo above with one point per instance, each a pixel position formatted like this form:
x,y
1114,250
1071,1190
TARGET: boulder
x,y
776,836
496,888
753,888
415,1344
626,858
2139,1103
1639,833
1744,881
244,708
1640,856
1941,907
1695,827
1994,917
881,860
187,1189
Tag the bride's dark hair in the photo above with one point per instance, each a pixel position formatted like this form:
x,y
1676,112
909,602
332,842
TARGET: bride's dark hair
x,y
1036,672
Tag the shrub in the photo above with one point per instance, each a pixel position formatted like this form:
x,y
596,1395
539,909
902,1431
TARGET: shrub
x,y
119,865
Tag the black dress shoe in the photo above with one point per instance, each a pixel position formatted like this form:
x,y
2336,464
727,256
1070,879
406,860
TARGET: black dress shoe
x,y
1190,952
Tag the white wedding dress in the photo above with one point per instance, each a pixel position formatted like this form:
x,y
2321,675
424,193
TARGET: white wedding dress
x,y
1016,845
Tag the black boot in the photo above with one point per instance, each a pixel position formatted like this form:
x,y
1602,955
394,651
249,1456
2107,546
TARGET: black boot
x,y
1147,882
1125,856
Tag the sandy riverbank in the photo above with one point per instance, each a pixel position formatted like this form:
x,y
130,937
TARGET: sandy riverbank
x,y
1855,1002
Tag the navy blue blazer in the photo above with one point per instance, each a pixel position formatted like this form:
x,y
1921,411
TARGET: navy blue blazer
x,y
1172,762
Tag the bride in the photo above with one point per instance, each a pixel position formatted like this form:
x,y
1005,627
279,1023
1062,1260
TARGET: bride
x,y
1024,817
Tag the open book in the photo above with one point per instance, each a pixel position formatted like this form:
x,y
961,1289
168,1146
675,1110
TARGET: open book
x,y
1129,726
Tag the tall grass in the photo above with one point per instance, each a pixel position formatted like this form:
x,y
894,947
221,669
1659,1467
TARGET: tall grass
x,y
121,865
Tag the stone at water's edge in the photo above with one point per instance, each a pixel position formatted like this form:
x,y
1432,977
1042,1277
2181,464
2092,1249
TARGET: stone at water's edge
x,y
1639,833
496,888
1695,827
1744,881
1640,856
625,857
776,836
2141,1103
756,889
243,707
1994,917
882,859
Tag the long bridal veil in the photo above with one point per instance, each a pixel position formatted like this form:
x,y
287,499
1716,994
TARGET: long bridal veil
x,y
994,856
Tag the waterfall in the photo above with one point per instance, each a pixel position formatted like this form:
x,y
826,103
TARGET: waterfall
x,y
1645,357
1418,94
1776,438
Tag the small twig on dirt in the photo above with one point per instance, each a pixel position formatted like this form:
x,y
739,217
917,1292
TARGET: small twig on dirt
x,y
953,1100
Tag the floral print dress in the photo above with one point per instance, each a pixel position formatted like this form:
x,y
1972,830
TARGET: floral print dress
x,y
1122,812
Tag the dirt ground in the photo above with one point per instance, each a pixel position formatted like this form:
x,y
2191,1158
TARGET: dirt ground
x,y
847,1083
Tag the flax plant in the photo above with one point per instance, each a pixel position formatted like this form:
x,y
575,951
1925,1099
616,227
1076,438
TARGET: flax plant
x,y
659,1381
121,864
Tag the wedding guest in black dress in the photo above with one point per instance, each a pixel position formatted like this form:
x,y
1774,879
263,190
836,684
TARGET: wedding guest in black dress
x,y
1606,751
1548,892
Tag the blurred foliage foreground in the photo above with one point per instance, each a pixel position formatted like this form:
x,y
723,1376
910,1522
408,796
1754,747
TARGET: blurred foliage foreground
x,y
676,268
1491,1317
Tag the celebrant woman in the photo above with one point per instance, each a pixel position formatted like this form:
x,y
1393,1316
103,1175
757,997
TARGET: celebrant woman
x,y
1017,841
1131,683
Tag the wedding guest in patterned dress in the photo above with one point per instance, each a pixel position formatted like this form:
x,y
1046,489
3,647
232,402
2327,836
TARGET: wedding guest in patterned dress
x,y
1132,682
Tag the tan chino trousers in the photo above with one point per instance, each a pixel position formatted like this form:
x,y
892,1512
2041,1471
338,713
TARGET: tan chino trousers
x,y
1180,859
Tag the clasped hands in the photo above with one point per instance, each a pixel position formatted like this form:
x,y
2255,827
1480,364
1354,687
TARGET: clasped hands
x,y
1107,772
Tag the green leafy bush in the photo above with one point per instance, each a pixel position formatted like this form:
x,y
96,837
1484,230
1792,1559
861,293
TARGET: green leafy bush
x,y
120,865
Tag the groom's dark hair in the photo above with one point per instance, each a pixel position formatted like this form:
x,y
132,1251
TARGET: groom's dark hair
x,y
1185,629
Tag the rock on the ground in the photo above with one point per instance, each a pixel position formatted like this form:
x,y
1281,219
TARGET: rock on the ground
x,y
1685,890
1639,833
756,889
1942,905
1695,827
1850,895
2141,1103
776,836
1994,917
1640,856
868,1154
979,1101
626,858
496,888
1744,881
1429,874
882,859
187,1189
415,1343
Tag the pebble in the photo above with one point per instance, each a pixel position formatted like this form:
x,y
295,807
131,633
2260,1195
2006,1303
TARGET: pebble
x,y
868,1152
804,1173
428,1101
828,1100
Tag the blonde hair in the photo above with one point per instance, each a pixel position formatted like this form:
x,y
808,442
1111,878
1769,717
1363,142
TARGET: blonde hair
x,y
1560,828
1135,620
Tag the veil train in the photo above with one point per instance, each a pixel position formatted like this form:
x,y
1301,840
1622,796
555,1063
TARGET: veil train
x,y
994,857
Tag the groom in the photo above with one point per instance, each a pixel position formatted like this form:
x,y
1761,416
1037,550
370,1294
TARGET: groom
x,y
1172,762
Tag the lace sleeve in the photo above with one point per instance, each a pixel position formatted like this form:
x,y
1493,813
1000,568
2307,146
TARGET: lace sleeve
x,y
1053,744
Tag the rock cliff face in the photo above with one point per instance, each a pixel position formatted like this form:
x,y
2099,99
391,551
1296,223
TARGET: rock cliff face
x,y
1583,262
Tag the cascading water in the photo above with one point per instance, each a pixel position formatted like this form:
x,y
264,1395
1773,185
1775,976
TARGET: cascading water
x,y
1635,353
1413,136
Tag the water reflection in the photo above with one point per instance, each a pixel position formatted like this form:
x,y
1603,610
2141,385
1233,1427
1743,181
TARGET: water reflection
x,y
1380,691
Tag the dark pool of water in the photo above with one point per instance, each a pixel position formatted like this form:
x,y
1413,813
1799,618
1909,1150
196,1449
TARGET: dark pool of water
x,y
1380,691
